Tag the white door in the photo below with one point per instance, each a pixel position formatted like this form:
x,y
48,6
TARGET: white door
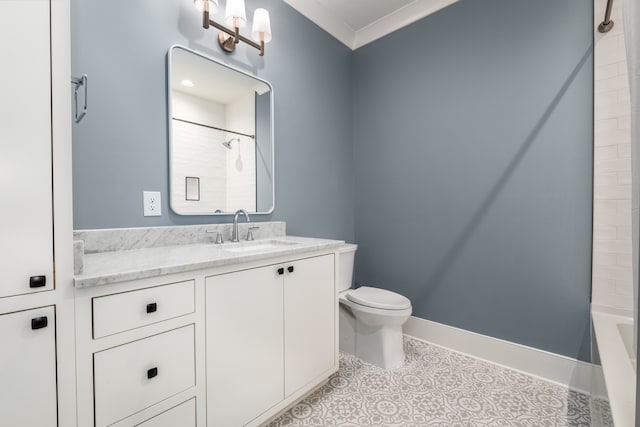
x,y
26,237
244,345
28,369
309,320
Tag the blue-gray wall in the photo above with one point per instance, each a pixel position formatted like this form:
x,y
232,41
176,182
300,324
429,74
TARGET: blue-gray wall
x,y
468,135
473,160
120,148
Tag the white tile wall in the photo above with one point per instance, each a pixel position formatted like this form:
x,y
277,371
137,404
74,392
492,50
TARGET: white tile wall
x,y
227,177
241,159
612,271
198,152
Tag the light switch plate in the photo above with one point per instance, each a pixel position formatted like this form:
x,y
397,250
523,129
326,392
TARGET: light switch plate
x,y
152,201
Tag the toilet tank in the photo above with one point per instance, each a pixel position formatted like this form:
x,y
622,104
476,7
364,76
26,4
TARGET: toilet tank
x,y
347,254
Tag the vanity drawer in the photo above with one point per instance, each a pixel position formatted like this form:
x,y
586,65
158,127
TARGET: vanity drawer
x,y
183,415
139,374
128,310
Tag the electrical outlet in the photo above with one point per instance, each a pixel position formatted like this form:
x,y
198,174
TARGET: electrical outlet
x,y
151,201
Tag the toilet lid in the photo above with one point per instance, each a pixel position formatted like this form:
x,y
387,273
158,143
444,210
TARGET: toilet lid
x,y
378,298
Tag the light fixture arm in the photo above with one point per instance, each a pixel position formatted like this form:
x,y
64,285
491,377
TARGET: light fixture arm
x,y
235,36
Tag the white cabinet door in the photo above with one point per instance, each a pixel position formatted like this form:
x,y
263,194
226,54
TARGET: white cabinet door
x,y
244,318
28,369
309,337
26,245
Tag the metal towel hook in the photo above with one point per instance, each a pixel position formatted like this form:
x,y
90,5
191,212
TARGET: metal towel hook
x,y
78,82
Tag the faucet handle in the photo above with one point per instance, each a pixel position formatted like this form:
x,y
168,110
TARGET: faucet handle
x,y
250,232
219,240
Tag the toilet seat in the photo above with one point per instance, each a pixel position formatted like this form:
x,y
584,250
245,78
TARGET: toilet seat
x,y
378,298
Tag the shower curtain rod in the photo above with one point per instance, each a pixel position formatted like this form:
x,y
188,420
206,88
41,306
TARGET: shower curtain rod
x,y
213,127
606,25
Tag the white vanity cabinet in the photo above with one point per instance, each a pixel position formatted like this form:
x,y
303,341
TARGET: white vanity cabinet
x,y
271,338
28,368
228,344
37,367
28,395
136,353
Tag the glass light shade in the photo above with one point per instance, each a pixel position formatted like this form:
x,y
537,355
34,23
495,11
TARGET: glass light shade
x,y
261,26
235,15
213,5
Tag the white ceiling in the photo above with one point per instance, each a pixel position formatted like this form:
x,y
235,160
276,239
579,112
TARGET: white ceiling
x,y
358,22
204,73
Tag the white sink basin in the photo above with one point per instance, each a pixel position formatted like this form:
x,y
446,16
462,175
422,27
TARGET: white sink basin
x,y
258,246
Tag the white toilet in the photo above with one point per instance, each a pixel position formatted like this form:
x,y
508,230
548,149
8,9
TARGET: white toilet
x,y
371,319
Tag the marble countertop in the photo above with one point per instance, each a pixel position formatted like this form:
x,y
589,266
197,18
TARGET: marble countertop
x,y
117,266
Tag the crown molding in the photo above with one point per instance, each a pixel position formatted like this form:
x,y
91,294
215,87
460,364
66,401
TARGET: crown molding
x,y
400,18
387,24
325,20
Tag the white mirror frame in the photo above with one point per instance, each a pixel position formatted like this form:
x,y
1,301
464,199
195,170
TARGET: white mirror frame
x,y
170,131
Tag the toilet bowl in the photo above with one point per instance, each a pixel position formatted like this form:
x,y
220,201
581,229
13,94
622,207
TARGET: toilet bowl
x,y
371,319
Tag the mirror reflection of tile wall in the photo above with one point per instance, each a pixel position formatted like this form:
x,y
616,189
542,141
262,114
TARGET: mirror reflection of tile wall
x,y
241,158
227,175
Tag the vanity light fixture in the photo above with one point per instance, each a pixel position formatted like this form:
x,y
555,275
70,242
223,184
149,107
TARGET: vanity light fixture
x,y
235,16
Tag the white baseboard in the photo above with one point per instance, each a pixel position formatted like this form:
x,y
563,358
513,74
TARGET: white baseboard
x,y
572,373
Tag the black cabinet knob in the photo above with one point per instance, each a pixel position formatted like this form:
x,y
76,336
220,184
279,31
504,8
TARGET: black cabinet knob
x,y
281,271
151,373
37,281
152,307
39,322
290,269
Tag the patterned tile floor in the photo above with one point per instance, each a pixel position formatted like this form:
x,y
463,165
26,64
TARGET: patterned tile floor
x,y
438,387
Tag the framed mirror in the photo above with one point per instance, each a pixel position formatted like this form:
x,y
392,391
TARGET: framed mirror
x,y
220,137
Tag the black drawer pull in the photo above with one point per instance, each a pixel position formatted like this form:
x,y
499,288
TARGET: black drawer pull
x,y
290,269
151,373
281,271
39,322
152,307
37,281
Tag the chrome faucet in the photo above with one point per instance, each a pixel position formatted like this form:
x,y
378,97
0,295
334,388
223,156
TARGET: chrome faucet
x,y
234,234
